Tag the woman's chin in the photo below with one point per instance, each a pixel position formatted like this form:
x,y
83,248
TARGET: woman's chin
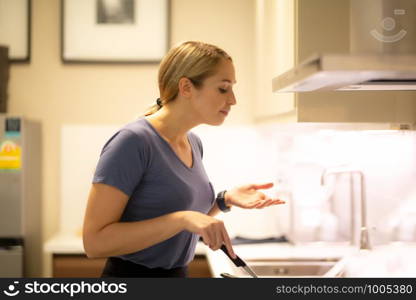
x,y
216,122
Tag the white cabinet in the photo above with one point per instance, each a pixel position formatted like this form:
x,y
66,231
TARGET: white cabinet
x,y
287,33
275,53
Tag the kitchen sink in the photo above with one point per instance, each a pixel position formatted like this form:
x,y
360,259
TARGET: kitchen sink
x,y
287,268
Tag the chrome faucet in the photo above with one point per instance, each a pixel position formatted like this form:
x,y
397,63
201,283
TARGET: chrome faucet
x,y
364,236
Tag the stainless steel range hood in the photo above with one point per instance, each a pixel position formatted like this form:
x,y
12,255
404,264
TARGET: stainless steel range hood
x,y
377,61
349,73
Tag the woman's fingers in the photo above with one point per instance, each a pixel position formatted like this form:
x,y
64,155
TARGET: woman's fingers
x,y
264,203
278,201
262,186
218,236
205,238
252,204
212,237
268,202
215,234
227,243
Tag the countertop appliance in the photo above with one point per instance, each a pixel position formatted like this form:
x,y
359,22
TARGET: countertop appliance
x,y
20,197
382,53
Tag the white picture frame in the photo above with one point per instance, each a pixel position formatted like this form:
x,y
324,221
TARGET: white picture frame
x,y
15,19
114,31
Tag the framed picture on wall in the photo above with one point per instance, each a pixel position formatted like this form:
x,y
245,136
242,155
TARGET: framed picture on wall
x,y
114,31
15,18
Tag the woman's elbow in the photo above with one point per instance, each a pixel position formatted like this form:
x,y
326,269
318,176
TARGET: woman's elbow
x,y
91,247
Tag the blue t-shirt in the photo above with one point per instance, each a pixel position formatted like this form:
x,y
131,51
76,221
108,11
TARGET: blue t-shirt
x,y
139,162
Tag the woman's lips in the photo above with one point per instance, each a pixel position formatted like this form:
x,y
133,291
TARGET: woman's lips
x,y
225,112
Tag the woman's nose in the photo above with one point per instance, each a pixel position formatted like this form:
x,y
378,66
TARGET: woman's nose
x,y
232,100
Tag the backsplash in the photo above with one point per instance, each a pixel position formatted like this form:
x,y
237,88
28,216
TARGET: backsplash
x,y
293,156
296,156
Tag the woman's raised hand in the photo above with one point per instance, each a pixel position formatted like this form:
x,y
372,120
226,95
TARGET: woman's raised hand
x,y
249,196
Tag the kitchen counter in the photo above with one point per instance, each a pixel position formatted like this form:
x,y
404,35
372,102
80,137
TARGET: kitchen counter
x,y
65,257
71,243
390,260
398,255
220,263
64,243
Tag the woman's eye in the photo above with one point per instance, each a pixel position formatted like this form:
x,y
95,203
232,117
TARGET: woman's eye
x,y
222,91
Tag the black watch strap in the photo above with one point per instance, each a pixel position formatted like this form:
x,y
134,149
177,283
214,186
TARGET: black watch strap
x,y
221,202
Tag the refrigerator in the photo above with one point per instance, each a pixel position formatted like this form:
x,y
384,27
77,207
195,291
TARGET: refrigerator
x,y
20,197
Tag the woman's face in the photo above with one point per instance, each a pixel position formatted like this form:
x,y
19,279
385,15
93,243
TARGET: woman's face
x,y
212,102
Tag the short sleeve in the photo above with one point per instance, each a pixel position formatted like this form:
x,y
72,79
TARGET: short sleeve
x,y
122,162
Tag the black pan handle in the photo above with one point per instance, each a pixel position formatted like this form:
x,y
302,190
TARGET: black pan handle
x,y
227,275
237,261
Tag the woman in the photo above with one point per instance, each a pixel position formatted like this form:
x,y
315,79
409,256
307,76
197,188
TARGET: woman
x,y
151,199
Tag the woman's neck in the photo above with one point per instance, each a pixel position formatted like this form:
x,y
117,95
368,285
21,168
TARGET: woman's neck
x,y
172,124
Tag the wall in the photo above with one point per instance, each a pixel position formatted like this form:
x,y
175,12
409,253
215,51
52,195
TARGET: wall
x,y
57,94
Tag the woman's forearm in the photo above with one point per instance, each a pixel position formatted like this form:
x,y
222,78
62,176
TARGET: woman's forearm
x,y
215,210
127,237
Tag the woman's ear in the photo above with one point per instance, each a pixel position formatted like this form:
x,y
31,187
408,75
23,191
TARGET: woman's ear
x,y
185,87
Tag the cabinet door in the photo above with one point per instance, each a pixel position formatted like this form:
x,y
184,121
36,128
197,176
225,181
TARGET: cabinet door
x,y
199,267
77,266
81,266
275,53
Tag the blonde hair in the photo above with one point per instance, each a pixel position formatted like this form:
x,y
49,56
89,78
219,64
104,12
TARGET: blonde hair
x,y
193,60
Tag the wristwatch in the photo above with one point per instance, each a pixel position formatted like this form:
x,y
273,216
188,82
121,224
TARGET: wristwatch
x,y
221,202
